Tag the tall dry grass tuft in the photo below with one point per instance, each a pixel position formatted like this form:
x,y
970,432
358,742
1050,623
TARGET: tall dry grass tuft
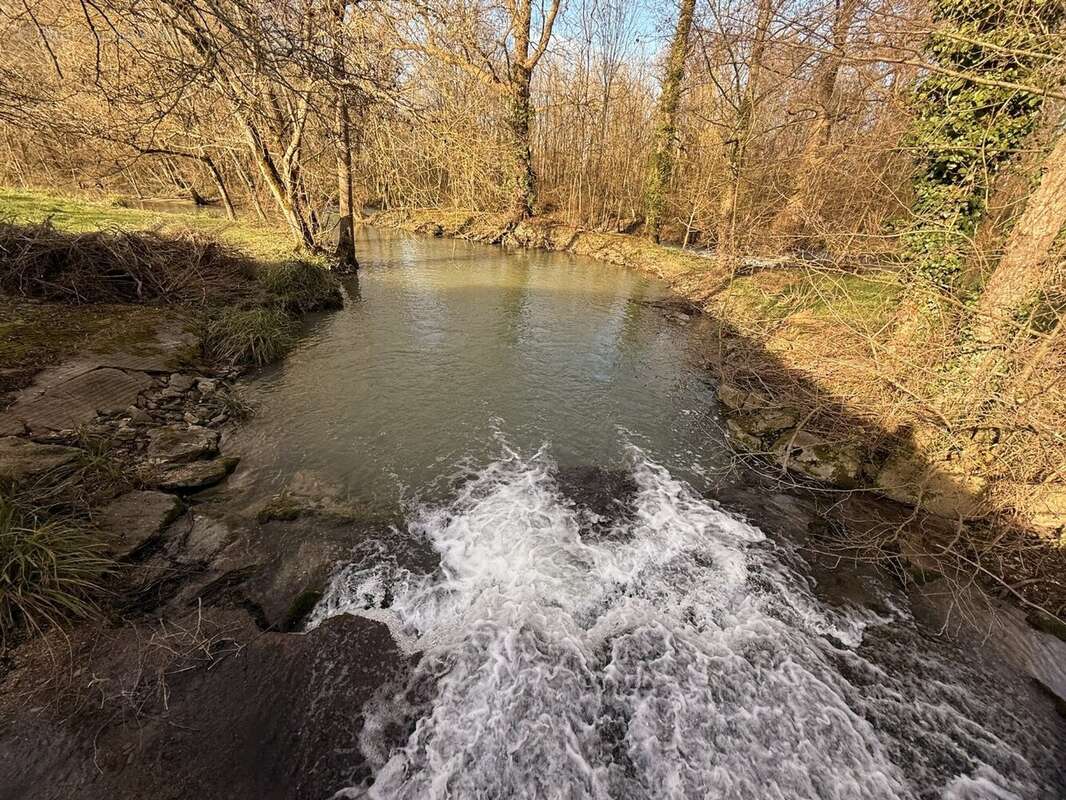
x,y
117,266
51,571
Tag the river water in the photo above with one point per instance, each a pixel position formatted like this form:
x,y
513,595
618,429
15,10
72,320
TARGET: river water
x,y
667,646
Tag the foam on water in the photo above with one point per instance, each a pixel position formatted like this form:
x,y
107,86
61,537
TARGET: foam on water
x,y
677,656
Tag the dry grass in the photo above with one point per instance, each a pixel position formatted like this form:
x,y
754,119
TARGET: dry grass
x,y
117,266
51,571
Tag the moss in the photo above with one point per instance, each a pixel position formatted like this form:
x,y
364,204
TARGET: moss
x,y
33,334
283,507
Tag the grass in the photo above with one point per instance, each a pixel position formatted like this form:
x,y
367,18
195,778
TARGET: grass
x,y
302,286
863,301
256,336
260,241
97,258
51,571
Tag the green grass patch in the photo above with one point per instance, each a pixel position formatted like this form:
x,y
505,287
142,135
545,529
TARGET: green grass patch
x,y
302,286
258,240
255,336
51,571
864,300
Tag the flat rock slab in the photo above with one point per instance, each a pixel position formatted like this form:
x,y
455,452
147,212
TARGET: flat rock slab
x,y
67,405
21,459
191,477
137,517
176,445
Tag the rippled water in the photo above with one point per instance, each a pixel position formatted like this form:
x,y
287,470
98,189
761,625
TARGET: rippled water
x,y
446,344
680,655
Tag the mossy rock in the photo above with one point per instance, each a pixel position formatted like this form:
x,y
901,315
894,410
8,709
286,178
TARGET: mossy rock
x,y
284,507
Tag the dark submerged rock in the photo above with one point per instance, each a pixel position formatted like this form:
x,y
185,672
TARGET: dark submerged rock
x,y
602,496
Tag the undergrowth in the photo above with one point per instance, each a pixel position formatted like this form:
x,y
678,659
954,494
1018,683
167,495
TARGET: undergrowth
x,y
52,571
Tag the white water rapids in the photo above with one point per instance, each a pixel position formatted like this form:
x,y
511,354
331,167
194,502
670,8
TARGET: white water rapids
x,y
681,654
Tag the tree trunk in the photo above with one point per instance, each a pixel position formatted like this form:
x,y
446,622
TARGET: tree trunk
x,y
661,168
804,201
737,147
345,254
299,228
1000,324
520,118
220,183
1022,272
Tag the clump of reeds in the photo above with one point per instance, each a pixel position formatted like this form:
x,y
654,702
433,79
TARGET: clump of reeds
x,y
254,336
302,286
51,571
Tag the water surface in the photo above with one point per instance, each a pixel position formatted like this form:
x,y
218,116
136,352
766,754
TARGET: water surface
x,y
447,346
670,647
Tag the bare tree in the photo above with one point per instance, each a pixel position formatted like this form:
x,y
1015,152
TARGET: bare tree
x,y
661,168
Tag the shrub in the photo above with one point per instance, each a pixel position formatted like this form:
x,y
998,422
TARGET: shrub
x,y
302,286
255,336
51,571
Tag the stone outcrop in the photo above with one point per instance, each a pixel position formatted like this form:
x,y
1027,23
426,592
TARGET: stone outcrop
x,y
188,477
23,460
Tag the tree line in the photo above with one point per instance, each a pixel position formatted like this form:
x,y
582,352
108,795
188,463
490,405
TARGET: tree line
x,y
857,127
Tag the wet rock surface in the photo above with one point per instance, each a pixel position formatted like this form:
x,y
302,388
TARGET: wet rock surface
x,y
190,477
135,518
223,711
180,445
75,402
23,460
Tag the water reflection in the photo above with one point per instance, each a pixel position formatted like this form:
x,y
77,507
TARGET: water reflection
x,y
445,344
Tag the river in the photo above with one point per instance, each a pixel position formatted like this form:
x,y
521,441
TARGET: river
x,y
664,643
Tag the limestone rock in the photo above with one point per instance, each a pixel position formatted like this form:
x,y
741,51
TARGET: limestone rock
x,y
741,438
182,383
832,462
205,539
175,445
191,477
21,459
737,399
940,487
67,404
136,517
